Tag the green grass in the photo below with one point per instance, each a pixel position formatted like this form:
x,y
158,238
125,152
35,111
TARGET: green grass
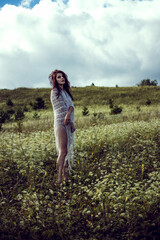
x,y
113,191
87,95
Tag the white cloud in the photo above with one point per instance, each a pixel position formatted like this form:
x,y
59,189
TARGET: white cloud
x,y
26,3
105,42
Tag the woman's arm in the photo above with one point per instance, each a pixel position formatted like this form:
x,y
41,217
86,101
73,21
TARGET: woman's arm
x,y
67,119
58,103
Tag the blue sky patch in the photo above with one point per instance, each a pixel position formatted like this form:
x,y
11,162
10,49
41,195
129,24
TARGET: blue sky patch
x,y
17,2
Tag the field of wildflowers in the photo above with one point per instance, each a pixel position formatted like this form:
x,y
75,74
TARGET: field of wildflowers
x,y
112,193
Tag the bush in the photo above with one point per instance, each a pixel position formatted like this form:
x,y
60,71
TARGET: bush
x,y
85,111
25,109
10,111
110,103
116,110
148,102
9,103
39,104
3,116
19,115
148,82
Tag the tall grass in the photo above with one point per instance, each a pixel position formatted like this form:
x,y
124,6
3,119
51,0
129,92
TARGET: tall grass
x,y
113,191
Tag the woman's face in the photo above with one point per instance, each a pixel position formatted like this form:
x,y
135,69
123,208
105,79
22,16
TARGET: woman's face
x,y
60,79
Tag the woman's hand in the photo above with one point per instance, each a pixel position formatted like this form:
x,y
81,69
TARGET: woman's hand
x,y
67,119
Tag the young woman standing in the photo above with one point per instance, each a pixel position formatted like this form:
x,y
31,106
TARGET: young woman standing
x,y
61,99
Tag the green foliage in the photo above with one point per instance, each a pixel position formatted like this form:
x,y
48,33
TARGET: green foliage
x,y
19,114
4,116
148,82
116,110
9,103
138,108
25,109
121,95
111,103
39,104
36,116
113,191
10,112
148,102
85,111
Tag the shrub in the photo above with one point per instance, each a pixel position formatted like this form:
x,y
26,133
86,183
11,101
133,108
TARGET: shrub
x,y
36,116
25,109
85,111
110,103
3,116
9,103
148,82
19,114
148,102
116,110
39,104
10,111
138,108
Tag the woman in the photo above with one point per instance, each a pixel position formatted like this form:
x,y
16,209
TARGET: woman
x,y
61,99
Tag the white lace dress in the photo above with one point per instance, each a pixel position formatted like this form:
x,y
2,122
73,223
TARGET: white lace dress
x,y
61,106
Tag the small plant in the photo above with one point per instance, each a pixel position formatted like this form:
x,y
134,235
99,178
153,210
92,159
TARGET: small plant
x,y
39,104
19,114
19,126
94,114
9,103
11,111
36,116
138,108
101,115
116,110
85,111
148,102
4,116
110,103
25,109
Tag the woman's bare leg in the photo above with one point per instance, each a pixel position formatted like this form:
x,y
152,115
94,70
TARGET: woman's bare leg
x,y
62,146
65,170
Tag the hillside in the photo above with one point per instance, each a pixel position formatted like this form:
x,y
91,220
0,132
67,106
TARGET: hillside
x,y
86,95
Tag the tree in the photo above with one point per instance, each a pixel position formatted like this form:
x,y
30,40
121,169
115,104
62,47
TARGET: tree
x,y
9,103
3,117
148,82
39,104
19,115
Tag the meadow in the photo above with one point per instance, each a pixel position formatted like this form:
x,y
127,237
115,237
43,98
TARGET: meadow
x,y
113,191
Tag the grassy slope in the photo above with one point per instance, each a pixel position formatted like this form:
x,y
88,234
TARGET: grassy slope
x,y
113,192
86,95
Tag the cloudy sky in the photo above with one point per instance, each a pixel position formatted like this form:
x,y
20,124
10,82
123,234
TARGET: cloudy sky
x,y
105,42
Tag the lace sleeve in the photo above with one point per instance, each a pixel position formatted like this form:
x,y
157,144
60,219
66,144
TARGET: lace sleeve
x,y
58,104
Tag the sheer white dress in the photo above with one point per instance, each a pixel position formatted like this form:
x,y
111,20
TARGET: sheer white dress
x,y
61,106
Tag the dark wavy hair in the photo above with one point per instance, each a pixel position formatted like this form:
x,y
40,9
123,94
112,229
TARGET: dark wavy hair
x,y
54,83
